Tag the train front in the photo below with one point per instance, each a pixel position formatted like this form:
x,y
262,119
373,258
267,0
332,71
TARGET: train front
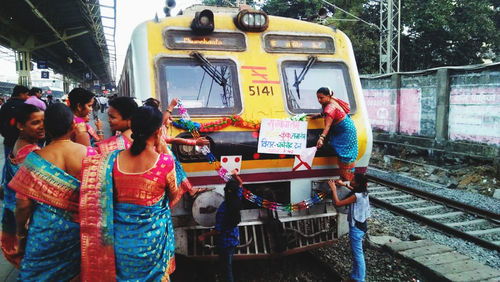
x,y
246,80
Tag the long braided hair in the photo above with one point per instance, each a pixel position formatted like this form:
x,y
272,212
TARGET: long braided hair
x,y
144,122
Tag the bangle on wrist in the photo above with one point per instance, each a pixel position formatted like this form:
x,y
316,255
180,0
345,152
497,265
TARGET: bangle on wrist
x,y
169,111
100,132
322,136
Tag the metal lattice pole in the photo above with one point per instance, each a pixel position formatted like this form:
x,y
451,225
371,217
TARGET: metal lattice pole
x,y
390,30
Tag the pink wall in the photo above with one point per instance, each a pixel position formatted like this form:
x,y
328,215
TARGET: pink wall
x,y
394,111
410,109
381,107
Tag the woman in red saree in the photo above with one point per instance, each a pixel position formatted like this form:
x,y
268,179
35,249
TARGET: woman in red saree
x,y
339,131
126,225
29,121
48,186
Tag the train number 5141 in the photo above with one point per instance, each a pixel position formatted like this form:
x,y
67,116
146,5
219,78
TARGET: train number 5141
x,y
258,90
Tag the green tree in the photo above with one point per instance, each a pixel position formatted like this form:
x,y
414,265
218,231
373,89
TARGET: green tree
x,y
364,37
297,9
446,32
496,19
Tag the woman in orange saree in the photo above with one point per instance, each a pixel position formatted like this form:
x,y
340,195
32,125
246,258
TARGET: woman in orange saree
x,y
29,121
47,187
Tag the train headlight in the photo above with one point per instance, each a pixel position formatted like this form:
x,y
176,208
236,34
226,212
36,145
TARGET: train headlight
x,y
248,20
203,22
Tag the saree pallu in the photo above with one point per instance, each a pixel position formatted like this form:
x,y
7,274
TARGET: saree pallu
x,y
121,143
53,243
107,146
344,139
8,237
126,240
182,180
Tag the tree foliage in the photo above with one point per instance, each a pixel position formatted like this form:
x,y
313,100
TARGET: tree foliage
x,y
447,32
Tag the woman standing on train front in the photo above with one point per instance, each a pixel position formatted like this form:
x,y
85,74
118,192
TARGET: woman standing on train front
x,y
339,130
126,224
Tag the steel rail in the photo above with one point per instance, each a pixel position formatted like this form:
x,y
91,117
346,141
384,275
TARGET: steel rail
x,y
491,216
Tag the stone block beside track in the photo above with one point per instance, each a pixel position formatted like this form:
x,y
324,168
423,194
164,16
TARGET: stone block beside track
x,y
441,262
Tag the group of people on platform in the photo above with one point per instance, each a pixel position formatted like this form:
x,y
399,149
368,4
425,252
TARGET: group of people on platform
x,y
85,207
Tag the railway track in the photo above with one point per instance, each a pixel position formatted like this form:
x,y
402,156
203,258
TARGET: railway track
x,y
467,222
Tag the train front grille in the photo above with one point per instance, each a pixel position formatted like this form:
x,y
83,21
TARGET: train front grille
x,y
257,238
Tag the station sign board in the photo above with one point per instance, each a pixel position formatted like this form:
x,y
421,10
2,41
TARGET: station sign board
x,y
41,64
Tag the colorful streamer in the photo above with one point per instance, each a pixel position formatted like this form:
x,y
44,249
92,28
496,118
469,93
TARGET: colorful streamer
x,y
194,128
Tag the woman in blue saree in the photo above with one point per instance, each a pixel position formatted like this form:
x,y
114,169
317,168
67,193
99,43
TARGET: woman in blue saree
x,y
47,186
126,226
29,121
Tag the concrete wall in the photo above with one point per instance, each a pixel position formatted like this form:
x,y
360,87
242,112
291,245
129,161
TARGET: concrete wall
x,y
475,106
445,104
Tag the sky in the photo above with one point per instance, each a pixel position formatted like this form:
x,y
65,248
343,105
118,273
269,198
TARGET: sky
x,y
129,14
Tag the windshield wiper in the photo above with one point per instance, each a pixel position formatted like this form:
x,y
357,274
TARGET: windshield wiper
x,y
210,69
216,75
298,79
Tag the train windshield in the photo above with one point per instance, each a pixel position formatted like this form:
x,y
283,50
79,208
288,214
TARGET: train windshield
x,y
203,90
304,78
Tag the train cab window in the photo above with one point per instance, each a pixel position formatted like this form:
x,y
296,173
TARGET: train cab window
x,y
203,90
303,78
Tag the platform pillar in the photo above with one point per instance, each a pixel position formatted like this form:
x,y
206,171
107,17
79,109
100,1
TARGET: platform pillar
x,y
23,67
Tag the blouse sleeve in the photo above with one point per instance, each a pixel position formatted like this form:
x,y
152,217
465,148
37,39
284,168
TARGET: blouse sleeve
x,y
334,113
172,189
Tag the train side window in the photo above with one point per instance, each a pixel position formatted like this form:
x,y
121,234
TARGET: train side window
x,y
301,90
201,93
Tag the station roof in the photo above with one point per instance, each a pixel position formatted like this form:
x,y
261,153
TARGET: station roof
x,y
68,34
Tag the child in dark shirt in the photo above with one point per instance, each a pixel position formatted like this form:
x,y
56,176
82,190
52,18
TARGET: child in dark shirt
x,y
226,226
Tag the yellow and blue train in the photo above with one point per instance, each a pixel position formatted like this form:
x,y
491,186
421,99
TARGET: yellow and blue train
x,y
222,62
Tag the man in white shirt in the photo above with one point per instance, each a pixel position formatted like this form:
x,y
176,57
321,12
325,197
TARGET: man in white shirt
x,y
103,101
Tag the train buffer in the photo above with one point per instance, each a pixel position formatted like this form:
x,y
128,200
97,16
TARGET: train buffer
x,y
441,262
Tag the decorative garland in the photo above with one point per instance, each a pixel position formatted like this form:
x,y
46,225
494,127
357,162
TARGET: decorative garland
x,y
305,204
224,122
193,127
211,126
223,173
